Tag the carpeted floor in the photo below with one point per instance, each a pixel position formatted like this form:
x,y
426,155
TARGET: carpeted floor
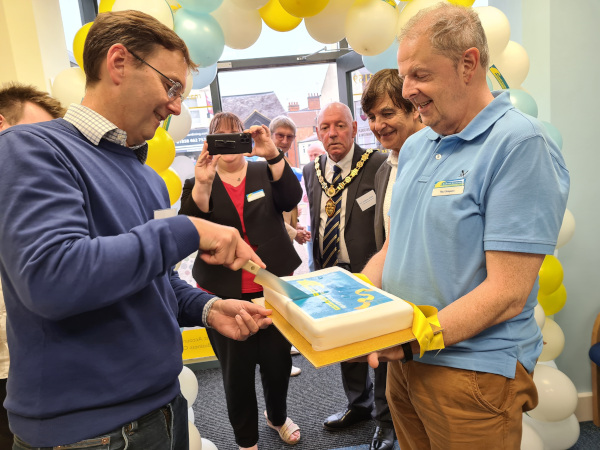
x,y
312,396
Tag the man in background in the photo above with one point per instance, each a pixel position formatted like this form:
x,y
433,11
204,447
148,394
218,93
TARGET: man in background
x,y
340,187
19,104
94,307
478,201
392,120
283,134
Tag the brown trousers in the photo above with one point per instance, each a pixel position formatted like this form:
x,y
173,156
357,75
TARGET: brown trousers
x,y
442,408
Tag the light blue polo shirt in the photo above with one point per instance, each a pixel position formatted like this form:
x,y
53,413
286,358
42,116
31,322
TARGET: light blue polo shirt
x,y
500,184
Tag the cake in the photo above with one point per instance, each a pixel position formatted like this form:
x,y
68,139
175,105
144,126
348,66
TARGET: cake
x,y
340,309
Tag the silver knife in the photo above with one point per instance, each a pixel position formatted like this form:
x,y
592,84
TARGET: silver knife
x,y
267,279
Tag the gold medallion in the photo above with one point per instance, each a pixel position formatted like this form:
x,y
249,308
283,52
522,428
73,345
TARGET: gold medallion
x,y
330,208
330,191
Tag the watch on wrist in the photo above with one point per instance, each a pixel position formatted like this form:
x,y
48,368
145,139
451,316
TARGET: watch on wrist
x,y
276,159
408,354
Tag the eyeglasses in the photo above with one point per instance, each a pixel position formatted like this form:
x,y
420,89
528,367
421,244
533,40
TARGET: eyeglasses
x,y
281,136
176,89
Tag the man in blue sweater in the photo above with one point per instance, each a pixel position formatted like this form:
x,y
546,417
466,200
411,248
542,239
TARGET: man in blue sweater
x,y
94,307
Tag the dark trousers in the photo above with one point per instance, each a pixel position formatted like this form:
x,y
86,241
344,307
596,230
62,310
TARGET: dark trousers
x,y
6,437
360,393
269,349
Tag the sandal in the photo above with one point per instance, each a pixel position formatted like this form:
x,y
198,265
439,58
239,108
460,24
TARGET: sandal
x,y
286,430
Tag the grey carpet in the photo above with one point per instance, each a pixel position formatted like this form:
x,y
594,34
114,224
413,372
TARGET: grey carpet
x,y
312,396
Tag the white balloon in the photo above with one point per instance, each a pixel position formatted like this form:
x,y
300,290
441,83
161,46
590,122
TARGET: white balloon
x,y
556,393
191,417
195,441
556,435
250,4
189,83
554,340
184,166
371,26
328,27
159,9
538,311
207,445
189,385
513,64
179,126
413,8
530,440
496,27
549,364
241,27
69,86
567,229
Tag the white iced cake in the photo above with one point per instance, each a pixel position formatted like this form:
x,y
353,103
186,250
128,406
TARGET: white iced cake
x,y
340,309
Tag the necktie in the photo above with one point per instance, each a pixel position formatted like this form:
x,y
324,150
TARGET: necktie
x,y
331,236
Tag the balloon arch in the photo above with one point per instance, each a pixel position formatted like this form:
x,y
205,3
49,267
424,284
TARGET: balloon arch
x,y
370,27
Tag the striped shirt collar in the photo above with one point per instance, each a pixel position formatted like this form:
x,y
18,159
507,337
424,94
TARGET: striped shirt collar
x,y
95,127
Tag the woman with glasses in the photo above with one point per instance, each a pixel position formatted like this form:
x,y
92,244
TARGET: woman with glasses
x,y
250,196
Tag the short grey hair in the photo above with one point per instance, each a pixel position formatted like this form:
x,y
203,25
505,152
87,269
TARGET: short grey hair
x,y
451,29
282,121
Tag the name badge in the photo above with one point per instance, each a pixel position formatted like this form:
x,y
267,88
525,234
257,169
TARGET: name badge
x,y
164,213
449,187
255,195
367,200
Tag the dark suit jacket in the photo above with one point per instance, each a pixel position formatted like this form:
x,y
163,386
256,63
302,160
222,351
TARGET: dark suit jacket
x,y
358,231
263,221
381,181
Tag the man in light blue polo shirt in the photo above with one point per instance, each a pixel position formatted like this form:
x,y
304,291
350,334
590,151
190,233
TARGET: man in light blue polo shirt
x,y
479,199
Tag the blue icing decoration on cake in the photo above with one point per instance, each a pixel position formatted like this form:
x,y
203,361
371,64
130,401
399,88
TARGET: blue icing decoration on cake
x,y
336,293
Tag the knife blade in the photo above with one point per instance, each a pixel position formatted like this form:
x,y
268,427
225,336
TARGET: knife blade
x,y
267,279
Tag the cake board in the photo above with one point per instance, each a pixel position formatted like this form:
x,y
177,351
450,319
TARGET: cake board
x,y
338,354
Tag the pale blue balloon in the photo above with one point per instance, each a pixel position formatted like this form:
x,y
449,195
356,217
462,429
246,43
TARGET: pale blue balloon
x,y
523,101
388,59
205,76
202,34
554,133
201,6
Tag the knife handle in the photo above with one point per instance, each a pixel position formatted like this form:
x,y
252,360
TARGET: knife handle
x,y
251,267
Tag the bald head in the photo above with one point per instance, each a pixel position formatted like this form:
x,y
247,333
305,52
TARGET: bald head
x,y
336,129
315,150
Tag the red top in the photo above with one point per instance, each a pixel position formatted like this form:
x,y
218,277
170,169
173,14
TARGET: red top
x,y
237,194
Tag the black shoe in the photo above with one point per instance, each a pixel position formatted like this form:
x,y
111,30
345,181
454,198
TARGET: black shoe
x,y
383,439
345,419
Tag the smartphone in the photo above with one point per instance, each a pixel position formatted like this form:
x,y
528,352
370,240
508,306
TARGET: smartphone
x,y
229,143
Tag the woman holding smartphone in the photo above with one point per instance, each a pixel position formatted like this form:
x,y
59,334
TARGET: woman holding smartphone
x,y
250,196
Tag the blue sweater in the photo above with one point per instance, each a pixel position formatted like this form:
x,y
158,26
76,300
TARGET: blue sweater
x,y
94,307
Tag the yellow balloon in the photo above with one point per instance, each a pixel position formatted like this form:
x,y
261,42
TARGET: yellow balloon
x,y
105,5
173,183
554,302
277,18
161,150
551,275
465,3
79,41
303,8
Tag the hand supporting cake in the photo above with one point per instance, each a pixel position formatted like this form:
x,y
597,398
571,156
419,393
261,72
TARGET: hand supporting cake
x,y
340,309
